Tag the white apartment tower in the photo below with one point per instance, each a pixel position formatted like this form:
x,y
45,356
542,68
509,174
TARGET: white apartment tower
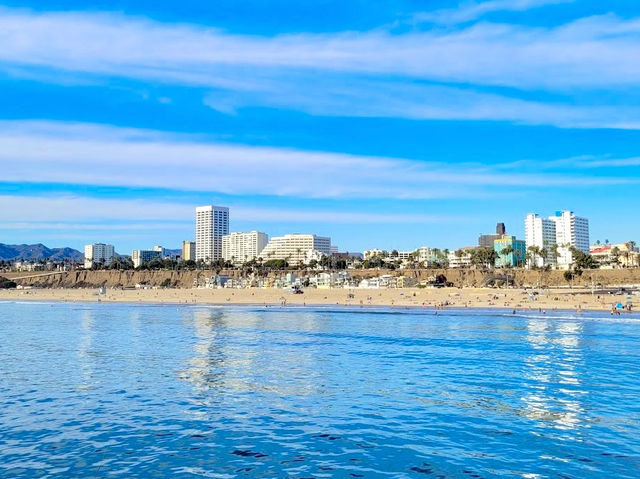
x,y
294,247
98,253
571,230
540,232
243,247
212,223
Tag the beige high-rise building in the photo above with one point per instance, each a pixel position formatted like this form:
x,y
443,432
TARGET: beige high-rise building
x,y
188,251
294,247
243,247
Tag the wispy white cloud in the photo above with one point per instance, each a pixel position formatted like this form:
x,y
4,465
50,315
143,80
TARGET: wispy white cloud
x,y
379,73
619,163
469,11
102,155
622,167
72,212
419,101
596,51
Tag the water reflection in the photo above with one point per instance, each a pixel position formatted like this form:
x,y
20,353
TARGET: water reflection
x,y
85,356
206,368
554,397
243,353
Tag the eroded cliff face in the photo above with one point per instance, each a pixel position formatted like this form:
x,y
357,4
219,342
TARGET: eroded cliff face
x,y
112,279
185,279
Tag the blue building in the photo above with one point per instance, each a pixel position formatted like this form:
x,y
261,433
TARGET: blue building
x,y
515,249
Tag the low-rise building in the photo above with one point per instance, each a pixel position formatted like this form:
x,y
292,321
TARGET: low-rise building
x,y
424,255
618,255
383,281
460,258
406,282
374,253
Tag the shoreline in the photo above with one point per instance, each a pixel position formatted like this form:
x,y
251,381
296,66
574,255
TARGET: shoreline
x,y
421,299
506,312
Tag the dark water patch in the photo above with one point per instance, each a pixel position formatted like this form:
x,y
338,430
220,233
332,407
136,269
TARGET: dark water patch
x,y
248,453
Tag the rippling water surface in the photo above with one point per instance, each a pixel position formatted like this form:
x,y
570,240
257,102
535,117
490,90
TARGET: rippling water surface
x,y
165,391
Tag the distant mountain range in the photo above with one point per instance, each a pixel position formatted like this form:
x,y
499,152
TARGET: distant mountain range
x,y
37,252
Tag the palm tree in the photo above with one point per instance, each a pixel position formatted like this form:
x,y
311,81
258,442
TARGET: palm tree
x,y
626,255
554,252
459,253
633,252
533,253
504,252
615,255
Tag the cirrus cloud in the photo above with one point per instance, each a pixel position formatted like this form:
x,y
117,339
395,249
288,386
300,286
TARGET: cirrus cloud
x,y
376,73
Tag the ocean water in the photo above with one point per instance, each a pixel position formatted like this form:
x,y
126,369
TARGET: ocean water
x,y
103,390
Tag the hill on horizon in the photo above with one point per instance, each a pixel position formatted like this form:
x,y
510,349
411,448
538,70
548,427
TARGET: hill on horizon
x,y
38,251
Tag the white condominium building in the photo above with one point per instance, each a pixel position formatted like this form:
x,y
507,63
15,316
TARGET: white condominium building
x,y
98,253
571,230
143,256
459,260
212,223
540,232
294,247
425,255
372,253
243,247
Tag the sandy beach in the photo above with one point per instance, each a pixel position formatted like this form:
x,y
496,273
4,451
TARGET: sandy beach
x,y
518,299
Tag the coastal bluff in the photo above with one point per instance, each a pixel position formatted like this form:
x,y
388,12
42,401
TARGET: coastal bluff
x,y
186,278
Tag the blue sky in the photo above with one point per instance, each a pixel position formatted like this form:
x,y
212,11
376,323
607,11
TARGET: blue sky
x,y
392,124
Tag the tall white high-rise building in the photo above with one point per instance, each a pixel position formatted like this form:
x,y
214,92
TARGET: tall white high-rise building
x,y
98,253
294,247
212,223
540,232
571,230
243,247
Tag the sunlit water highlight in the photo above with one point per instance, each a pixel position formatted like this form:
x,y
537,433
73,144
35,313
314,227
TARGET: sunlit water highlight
x,y
193,391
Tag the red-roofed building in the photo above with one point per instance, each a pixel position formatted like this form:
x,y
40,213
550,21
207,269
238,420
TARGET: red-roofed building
x,y
620,255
